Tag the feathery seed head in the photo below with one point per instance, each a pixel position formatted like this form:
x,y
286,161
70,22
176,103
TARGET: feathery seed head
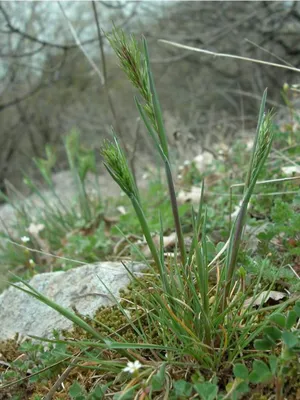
x,y
264,139
133,63
116,164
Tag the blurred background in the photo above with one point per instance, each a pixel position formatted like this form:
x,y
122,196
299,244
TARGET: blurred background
x,y
58,73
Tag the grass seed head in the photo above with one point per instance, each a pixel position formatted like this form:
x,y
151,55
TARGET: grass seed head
x,y
116,163
133,63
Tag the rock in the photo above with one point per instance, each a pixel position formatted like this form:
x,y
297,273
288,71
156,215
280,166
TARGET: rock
x,y
191,196
203,160
86,288
291,170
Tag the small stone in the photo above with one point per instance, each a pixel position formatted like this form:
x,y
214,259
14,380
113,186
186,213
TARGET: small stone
x,y
291,170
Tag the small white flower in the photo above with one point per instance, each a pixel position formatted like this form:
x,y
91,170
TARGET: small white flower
x,y
25,239
121,210
31,262
35,229
132,367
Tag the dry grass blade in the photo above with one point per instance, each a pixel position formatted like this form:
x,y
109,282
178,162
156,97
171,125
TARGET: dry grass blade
x,y
226,55
62,377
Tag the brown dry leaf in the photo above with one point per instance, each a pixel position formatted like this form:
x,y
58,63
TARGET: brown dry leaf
x,y
89,228
169,241
108,223
123,244
251,233
263,297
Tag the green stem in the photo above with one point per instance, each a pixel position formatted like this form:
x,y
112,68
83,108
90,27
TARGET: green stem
x,y
164,152
196,226
170,183
233,251
146,231
261,149
156,105
175,211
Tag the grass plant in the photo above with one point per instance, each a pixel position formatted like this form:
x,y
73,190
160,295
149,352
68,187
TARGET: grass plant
x,y
195,326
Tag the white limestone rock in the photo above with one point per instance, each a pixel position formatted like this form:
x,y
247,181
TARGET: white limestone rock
x,y
86,288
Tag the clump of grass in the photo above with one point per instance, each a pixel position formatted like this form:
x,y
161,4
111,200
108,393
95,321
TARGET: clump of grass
x,y
194,329
185,300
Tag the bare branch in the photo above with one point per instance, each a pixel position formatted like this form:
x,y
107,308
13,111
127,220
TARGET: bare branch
x,y
19,99
76,38
111,5
109,98
14,29
29,54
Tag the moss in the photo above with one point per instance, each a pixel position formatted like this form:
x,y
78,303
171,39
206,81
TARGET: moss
x,y
112,318
9,350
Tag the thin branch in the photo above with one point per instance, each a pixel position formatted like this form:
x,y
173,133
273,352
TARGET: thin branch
x,y
29,54
100,41
104,69
109,5
76,38
31,133
47,70
44,252
19,99
13,29
268,52
293,178
254,96
171,59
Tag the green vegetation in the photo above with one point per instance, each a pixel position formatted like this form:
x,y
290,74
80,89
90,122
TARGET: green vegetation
x,y
219,319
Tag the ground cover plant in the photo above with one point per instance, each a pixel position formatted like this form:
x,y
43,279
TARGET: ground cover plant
x,y
209,321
